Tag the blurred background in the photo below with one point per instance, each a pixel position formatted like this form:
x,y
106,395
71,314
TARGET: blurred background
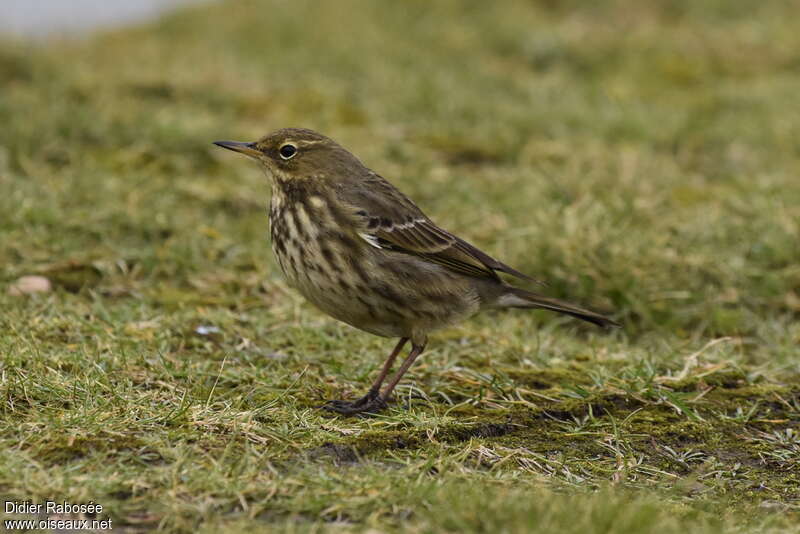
x,y
641,157
48,18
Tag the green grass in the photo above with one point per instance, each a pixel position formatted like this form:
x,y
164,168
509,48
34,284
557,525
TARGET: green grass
x,y
641,157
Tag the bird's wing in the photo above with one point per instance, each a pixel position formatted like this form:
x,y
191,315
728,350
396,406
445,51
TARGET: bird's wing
x,y
393,222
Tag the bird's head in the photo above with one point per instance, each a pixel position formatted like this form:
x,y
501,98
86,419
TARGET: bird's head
x,y
293,154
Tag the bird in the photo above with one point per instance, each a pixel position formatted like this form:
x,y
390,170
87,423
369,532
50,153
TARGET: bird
x,y
363,252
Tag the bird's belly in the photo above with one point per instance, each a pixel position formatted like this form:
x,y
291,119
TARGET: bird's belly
x,y
348,302
361,289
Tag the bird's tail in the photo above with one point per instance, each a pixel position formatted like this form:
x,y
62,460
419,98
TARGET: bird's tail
x,y
521,298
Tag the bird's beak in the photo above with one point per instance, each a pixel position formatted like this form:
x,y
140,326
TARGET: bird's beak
x,y
248,149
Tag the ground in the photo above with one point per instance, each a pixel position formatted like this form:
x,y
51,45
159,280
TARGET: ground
x,y
642,158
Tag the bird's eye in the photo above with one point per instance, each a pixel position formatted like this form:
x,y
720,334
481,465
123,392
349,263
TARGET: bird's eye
x,y
287,151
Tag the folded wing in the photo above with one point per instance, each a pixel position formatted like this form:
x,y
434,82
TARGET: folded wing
x,y
393,222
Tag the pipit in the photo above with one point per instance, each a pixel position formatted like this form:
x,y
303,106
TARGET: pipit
x,y
362,252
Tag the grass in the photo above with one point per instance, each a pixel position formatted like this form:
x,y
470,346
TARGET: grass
x,y
640,157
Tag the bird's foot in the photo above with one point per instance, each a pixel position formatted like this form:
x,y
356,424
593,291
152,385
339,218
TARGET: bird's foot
x,y
369,403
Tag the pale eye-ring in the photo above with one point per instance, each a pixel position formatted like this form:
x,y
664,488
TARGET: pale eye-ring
x,y
287,151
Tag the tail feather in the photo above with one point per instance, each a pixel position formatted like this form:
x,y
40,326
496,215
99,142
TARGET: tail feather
x,y
521,298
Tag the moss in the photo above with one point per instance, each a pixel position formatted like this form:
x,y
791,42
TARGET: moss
x,y
726,456
549,378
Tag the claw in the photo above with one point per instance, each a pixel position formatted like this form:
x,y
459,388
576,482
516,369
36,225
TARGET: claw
x,y
366,404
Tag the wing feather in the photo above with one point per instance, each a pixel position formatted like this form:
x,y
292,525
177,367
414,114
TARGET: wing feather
x,y
394,222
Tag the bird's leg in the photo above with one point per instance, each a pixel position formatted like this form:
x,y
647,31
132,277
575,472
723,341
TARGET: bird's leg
x,y
416,350
370,402
375,390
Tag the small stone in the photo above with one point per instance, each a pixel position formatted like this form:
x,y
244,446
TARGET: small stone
x,y
26,285
207,330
